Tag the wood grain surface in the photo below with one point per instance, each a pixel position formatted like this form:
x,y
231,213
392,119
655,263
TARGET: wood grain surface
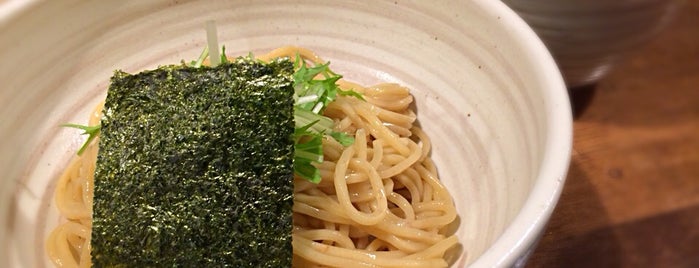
x,y
632,194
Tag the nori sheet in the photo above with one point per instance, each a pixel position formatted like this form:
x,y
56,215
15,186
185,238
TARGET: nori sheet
x,y
195,168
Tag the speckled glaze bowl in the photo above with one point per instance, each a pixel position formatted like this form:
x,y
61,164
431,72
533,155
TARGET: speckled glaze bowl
x,y
486,90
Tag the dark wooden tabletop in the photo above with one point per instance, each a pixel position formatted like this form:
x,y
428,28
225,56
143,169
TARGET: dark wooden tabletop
x,y
632,194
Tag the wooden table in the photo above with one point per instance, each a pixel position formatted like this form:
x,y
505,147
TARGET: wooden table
x,y
632,194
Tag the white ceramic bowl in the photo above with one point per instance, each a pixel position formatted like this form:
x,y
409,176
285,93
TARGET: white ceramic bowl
x,y
587,38
486,90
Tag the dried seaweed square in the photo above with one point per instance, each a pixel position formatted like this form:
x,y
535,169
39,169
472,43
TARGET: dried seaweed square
x,y
195,168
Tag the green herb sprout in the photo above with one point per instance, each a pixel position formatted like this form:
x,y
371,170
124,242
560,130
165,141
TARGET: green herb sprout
x,y
91,131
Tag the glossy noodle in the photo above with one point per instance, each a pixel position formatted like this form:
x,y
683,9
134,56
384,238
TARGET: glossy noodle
x,y
380,202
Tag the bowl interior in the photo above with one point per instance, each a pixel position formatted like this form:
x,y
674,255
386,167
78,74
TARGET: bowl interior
x,y
486,92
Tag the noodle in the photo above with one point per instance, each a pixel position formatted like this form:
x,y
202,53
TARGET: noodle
x,y
69,244
379,203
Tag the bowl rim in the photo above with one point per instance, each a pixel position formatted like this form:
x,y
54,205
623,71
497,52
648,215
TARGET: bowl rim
x,y
518,240
10,9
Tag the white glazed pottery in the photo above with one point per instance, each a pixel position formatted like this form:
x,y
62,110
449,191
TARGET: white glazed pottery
x,y
486,90
587,38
